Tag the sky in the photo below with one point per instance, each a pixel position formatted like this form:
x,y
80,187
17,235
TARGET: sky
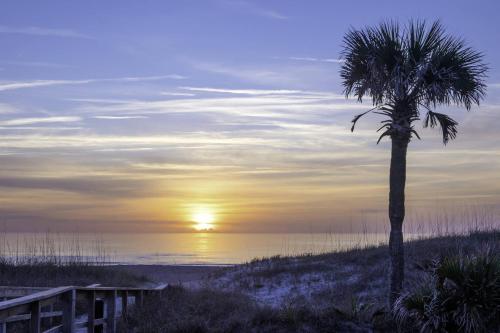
x,y
152,116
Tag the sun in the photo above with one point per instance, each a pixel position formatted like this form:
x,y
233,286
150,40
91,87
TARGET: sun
x,y
204,220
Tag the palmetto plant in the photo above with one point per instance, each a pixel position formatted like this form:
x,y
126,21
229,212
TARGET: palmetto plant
x,y
407,71
462,295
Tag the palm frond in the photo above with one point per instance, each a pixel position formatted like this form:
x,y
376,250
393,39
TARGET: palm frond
x,y
461,295
421,41
387,132
358,116
455,75
371,56
403,69
447,124
415,133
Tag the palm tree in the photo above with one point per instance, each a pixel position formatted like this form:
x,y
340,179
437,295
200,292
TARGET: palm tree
x,y
407,70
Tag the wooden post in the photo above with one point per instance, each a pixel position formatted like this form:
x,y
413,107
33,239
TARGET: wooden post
x,y
139,298
91,311
35,317
124,302
50,308
69,311
101,307
111,311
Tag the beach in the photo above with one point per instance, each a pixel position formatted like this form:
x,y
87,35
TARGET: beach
x,y
186,275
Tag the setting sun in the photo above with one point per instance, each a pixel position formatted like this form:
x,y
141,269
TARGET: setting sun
x,y
204,220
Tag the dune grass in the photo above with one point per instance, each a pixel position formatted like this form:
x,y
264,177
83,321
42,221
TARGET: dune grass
x,y
76,274
43,261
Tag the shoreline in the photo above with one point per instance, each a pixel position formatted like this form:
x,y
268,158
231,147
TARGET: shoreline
x,y
174,265
189,275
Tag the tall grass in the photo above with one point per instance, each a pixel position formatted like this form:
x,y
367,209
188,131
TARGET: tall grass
x,y
372,231
49,260
51,249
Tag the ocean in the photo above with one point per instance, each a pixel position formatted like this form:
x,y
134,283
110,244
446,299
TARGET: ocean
x,y
204,248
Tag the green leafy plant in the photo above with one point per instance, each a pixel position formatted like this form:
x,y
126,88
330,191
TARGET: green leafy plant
x,y
461,295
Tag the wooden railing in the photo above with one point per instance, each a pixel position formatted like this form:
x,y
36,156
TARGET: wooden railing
x,y
55,310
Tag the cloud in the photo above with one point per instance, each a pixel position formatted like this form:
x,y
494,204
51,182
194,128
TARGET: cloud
x,y
182,140
307,75
38,31
44,83
119,117
249,7
261,76
331,60
251,103
7,109
37,83
95,185
168,93
242,91
30,121
38,129
36,64
271,14
146,78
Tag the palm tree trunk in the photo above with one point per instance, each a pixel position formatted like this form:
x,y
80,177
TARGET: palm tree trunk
x,y
397,214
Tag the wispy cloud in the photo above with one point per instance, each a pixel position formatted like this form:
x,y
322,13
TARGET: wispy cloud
x,y
180,141
278,74
311,59
30,121
44,129
37,83
249,74
242,91
271,14
250,7
39,31
7,108
35,64
252,103
168,93
44,83
298,94
147,78
119,117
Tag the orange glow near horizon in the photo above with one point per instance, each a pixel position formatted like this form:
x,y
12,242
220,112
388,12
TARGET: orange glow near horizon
x,y
204,219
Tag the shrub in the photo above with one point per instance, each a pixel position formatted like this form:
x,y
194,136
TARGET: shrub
x,y
462,294
178,310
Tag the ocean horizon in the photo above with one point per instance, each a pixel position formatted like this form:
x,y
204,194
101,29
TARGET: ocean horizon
x,y
208,248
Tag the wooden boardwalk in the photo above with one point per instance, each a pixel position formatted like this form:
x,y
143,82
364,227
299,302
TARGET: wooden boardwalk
x,y
55,310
